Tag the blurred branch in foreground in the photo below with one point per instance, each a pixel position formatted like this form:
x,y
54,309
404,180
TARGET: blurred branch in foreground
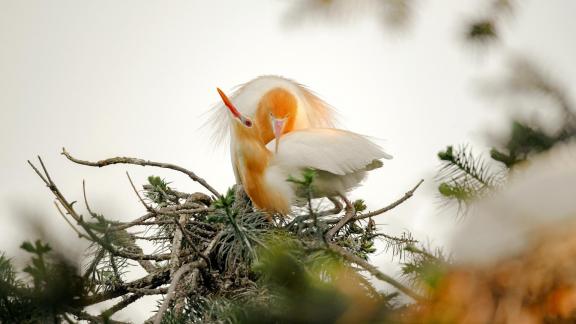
x,y
485,27
392,13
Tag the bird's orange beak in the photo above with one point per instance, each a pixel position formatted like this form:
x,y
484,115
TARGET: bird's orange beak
x,y
229,104
278,128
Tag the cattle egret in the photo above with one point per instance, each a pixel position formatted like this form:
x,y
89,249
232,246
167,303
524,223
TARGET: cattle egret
x,y
277,105
340,159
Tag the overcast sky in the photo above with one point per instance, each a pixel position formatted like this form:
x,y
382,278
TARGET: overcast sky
x,y
133,78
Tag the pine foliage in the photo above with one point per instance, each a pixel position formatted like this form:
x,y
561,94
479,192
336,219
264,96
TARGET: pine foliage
x,y
215,259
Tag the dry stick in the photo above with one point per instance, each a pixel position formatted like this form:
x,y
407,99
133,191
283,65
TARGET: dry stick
x,y
185,268
86,199
171,290
192,207
186,235
196,272
406,196
78,218
136,222
131,243
145,264
69,223
192,283
153,238
375,272
148,208
67,206
176,244
105,315
393,205
141,162
148,291
151,281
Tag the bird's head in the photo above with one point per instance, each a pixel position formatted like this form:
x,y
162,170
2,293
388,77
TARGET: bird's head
x,y
245,121
276,114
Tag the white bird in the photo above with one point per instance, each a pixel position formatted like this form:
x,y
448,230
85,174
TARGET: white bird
x,y
340,159
277,105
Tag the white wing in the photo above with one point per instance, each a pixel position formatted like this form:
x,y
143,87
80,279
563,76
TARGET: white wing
x,y
314,112
334,150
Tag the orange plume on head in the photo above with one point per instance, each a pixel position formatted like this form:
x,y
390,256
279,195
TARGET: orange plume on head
x,y
279,104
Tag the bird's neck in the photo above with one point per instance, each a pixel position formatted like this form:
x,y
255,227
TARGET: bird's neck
x,y
254,159
253,154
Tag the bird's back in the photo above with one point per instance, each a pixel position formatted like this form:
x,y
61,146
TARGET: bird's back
x,y
340,159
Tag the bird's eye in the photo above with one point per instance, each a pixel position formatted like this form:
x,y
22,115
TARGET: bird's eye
x,y
248,123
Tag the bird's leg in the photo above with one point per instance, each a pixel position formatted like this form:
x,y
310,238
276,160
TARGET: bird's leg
x,y
350,212
333,211
349,205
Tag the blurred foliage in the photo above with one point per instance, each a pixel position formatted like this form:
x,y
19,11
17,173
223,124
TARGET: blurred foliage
x,y
464,177
52,288
391,13
483,30
535,286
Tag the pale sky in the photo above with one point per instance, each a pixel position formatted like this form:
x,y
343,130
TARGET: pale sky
x,y
133,78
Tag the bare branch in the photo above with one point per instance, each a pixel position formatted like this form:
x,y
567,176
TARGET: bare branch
x,y
136,222
141,162
185,287
393,205
38,173
148,291
176,243
119,306
186,235
171,290
86,199
148,208
151,281
69,223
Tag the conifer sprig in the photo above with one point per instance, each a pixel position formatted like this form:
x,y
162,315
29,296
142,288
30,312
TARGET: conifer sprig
x,y
464,176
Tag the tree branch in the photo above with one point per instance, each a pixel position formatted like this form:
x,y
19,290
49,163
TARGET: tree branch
x,y
171,290
393,205
141,162
151,281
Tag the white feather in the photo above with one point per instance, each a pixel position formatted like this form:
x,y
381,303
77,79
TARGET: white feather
x,y
312,111
341,159
328,149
